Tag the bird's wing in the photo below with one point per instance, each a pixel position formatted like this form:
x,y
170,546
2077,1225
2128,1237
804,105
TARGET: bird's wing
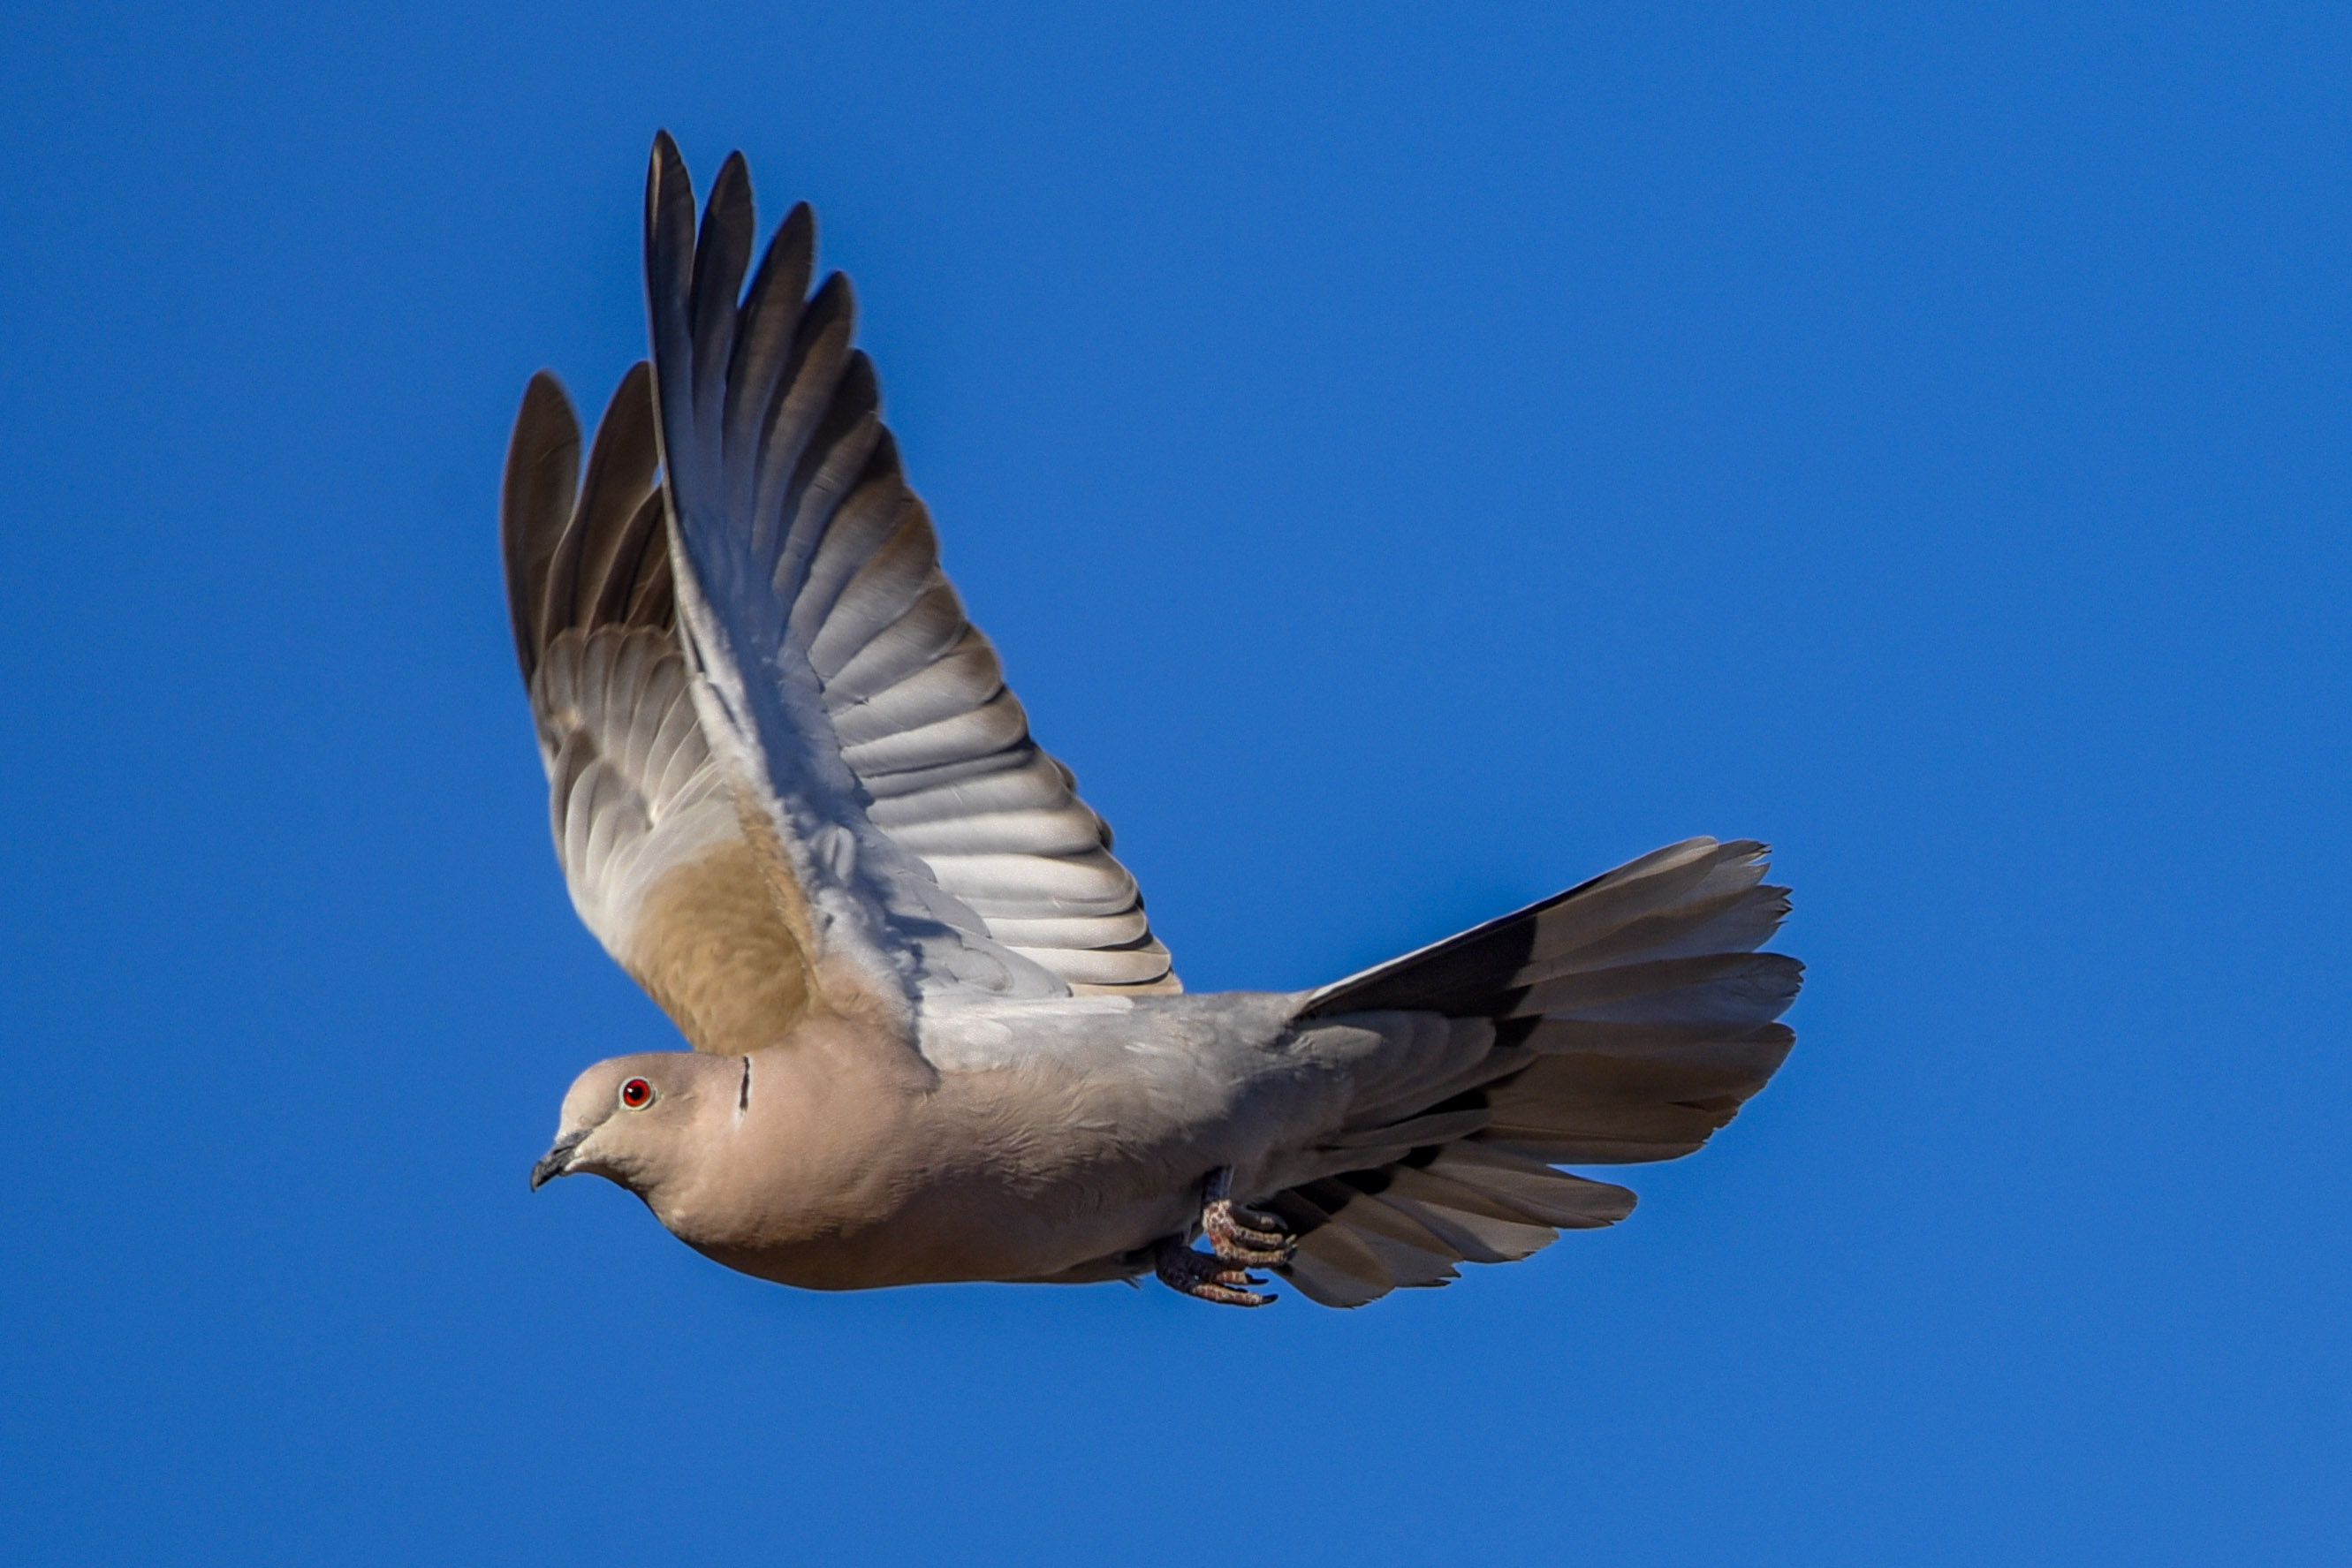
x,y
659,866
880,759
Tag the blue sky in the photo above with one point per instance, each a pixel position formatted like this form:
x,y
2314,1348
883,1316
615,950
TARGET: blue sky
x,y
1410,460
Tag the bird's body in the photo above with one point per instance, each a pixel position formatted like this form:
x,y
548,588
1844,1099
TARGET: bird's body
x,y
936,1037
1015,1141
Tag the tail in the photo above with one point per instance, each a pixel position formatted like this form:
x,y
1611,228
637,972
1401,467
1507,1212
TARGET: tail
x,y
1621,1021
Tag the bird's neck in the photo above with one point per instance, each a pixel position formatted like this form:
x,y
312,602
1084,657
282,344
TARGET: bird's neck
x,y
816,1142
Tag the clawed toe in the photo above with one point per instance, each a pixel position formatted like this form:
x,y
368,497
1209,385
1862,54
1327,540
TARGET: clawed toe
x,y
1245,1235
1208,1278
1249,1237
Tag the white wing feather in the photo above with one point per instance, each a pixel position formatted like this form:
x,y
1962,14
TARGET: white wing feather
x,y
939,848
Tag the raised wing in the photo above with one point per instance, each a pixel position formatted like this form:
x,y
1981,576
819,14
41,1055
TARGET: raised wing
x,y
938,847
658,864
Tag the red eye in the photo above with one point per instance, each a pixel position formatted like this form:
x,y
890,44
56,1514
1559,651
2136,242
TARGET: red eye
x,y
636,1093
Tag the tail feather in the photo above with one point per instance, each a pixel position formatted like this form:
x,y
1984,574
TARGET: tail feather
x,y
1415,1257
1530,1187
1332,1265
1498,1061
1624,1020
1694,1041
1686,885
1740,923
1430,1050
1747,988
1475,1234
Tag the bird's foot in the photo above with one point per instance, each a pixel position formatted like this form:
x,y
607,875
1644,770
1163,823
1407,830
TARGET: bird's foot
x,y
1248,1236
1199,1274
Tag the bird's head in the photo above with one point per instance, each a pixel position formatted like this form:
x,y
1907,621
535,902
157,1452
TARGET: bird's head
x,y
635,1120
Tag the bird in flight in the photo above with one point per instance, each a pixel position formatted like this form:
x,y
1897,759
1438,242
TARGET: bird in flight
x,y
934,1037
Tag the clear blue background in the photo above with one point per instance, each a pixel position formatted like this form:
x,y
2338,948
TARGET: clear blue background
x,y
1410,459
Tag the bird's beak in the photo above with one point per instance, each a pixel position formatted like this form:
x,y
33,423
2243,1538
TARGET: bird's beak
x,y
556,1161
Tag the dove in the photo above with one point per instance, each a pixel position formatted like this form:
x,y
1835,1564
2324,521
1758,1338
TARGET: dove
x,y
934,1037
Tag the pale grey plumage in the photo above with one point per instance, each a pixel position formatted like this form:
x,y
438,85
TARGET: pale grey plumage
x,y
793,796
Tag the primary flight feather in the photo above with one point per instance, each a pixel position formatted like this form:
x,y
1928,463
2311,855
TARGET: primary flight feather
x,y
934,1036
